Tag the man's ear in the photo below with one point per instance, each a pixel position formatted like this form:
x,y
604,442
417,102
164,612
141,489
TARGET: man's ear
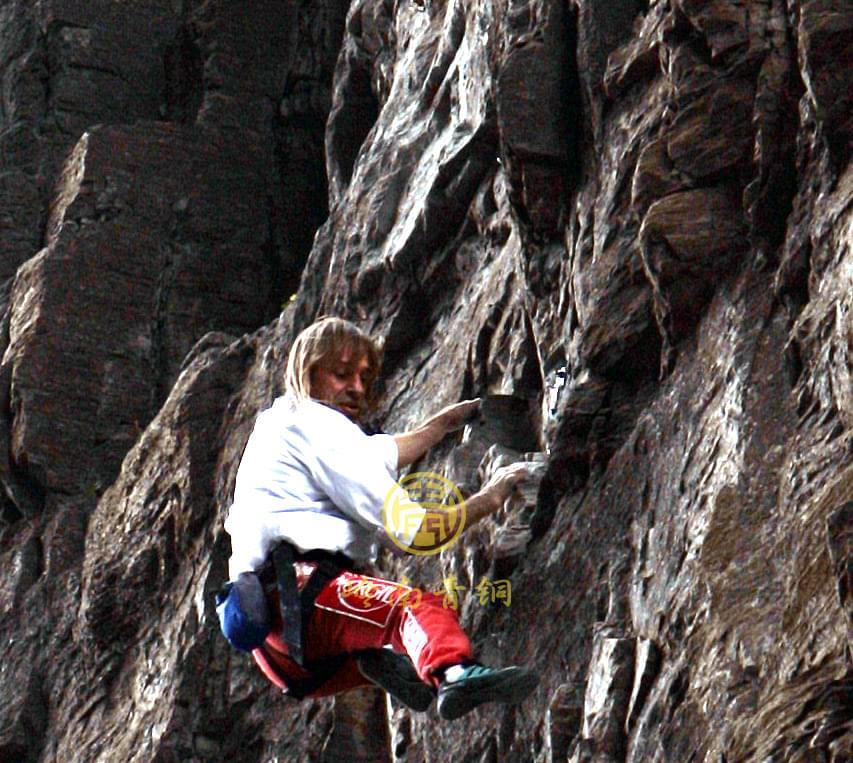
x,y
310,379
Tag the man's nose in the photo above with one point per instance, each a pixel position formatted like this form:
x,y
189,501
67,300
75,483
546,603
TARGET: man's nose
x,y
356,384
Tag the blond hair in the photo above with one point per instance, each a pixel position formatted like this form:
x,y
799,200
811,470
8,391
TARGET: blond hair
x,y
321,341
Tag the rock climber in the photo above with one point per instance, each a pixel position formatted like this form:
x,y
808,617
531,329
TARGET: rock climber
x,y
309,496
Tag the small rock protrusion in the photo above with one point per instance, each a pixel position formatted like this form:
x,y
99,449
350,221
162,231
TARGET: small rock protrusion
x,y
608,690
563,721
647,661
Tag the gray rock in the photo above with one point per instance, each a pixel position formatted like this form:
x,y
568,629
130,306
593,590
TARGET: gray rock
x,y
496,191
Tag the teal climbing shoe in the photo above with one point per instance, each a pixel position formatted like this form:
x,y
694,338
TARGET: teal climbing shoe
x,y
478,684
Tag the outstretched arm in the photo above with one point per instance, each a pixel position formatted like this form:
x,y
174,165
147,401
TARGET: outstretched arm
x,y
489,498
413,444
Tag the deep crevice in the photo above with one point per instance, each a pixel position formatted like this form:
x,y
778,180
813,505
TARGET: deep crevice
x,y
183,75
284,270
300,156
572,100
352,121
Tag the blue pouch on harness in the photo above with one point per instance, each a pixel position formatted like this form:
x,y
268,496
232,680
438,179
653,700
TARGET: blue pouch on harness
x,y
244,616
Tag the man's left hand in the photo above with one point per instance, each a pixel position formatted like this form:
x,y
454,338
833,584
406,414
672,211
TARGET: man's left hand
x,y
412,445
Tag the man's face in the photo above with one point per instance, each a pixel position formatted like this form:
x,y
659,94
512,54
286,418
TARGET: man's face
x,y
341,380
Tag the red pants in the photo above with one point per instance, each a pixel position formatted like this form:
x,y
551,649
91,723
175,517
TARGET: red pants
x,y
355,612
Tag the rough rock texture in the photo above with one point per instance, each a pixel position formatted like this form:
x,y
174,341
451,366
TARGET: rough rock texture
x,y
655,196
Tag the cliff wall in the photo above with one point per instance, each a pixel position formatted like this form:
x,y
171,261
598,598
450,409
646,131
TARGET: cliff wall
x,y
655,196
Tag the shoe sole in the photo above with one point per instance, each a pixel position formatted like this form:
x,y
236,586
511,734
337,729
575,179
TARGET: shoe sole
x,y
508,686
399,680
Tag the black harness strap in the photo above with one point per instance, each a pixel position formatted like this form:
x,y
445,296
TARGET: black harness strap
x,y
296,607
296,611
288,600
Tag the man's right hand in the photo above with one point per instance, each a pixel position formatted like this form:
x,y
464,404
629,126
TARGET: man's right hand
x,y
502,483
491,497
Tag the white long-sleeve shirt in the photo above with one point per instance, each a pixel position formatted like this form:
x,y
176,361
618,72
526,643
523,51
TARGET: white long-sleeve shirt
x,y
311,476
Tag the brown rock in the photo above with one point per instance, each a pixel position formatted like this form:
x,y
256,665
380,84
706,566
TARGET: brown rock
x,y
702,228
724,25
141,263
608,691
719,125
703,512
564,718
68,65
534,85
639,59
825,41
840,543
654,177
646,668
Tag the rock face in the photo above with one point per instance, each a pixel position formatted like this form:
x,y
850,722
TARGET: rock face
x,y
650,200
